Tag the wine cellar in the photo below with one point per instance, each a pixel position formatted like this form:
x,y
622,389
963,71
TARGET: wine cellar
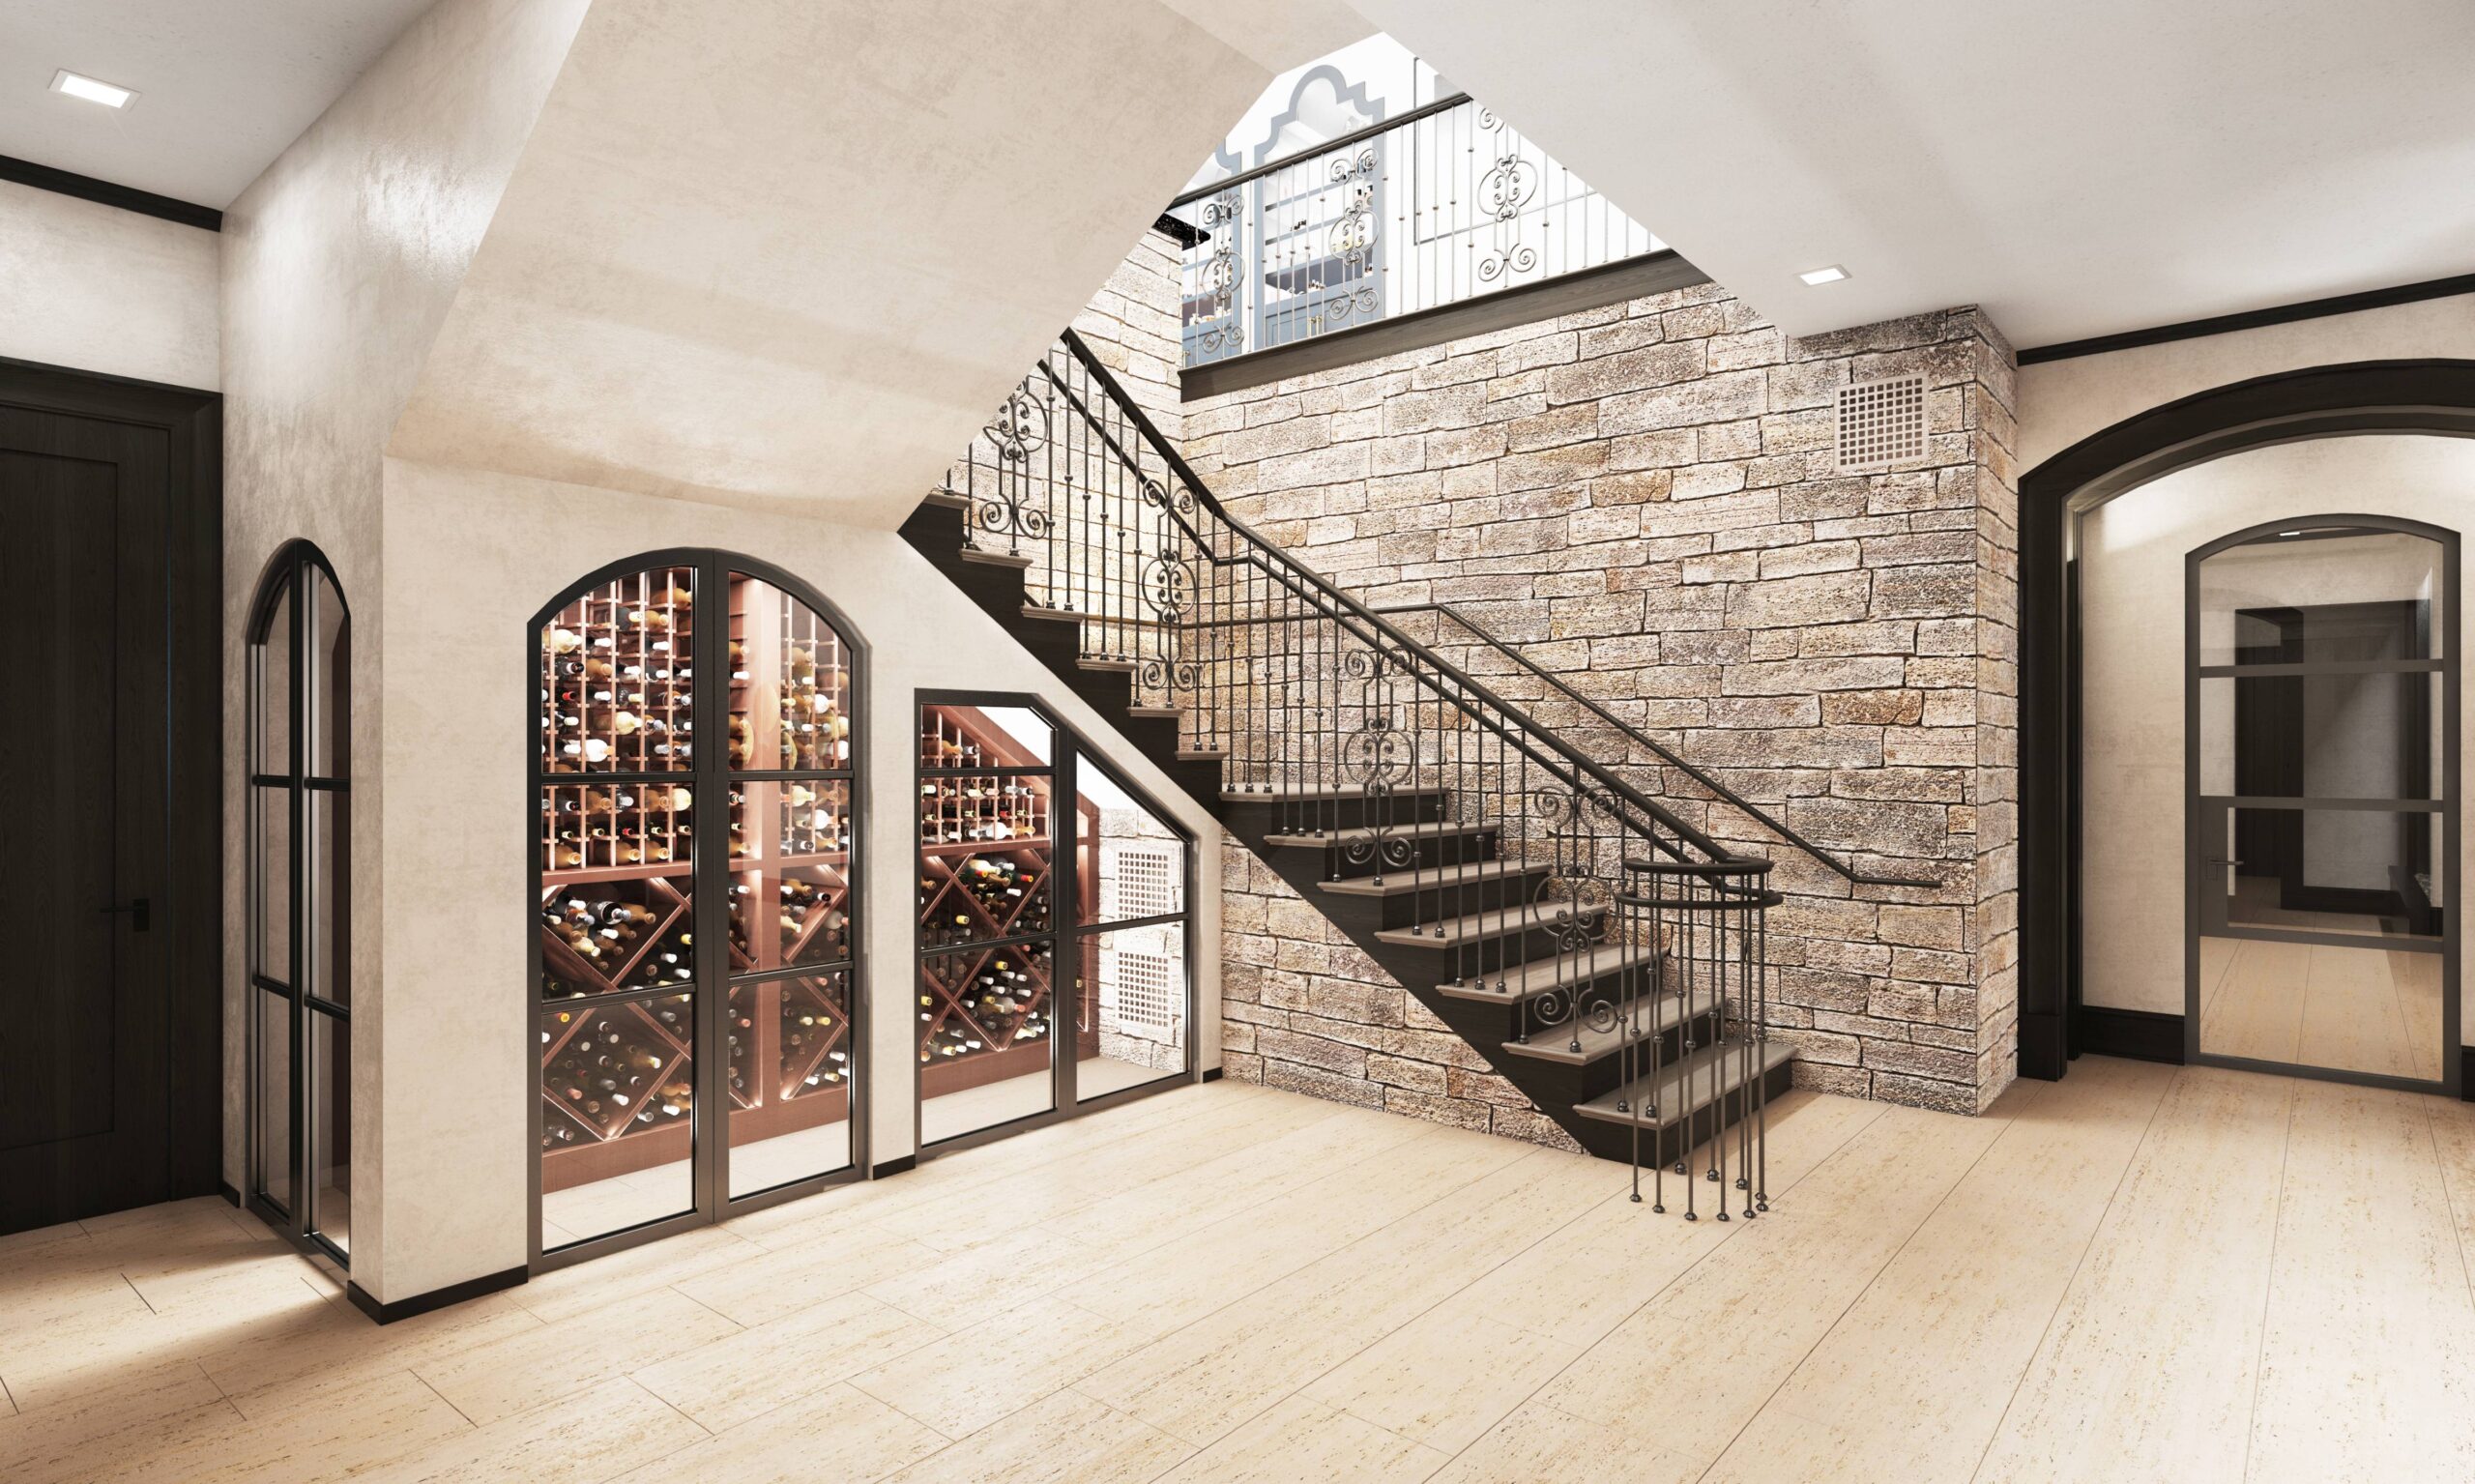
x,y
630,907
989,915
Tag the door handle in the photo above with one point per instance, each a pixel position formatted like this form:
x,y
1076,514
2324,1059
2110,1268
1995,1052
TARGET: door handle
x,y
2221,861
137,914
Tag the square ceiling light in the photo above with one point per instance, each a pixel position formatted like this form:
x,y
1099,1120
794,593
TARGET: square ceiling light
x,y
93,90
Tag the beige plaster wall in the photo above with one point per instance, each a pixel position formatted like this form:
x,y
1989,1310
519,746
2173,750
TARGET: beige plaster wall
x,y
470,558
2131,553
2063,401
103,289
338,264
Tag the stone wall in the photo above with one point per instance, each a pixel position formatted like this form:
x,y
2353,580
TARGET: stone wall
x,y
1644,498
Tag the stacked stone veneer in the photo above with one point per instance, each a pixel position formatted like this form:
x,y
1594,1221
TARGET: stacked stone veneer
x,y
1644,497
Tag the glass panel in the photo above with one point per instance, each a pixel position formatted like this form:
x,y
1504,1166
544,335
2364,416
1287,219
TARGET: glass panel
x,y
2367,1009
790,1080
2314,596
2368,872
2345,735
1133,865
970,808
789,684
618,1115
329,704
617,667
1130,1010
790,874
330,905
272,1104
331,1126
984,1018
617,888
970,896
275,692
273,885
984,737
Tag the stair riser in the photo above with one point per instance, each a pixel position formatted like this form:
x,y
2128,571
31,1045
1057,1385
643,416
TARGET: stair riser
x,y
1612,1141
1348,811
1509,950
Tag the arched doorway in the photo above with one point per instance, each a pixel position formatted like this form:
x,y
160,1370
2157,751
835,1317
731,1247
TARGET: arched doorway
x,y
2370,397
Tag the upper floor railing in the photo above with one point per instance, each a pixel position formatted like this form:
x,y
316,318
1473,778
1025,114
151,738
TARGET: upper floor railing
x,y
1443,204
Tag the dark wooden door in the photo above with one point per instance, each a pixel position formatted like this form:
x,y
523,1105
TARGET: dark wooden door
x,y
86,1012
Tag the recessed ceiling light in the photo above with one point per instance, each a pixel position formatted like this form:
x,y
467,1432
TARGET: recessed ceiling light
x,y
1831,273
92,90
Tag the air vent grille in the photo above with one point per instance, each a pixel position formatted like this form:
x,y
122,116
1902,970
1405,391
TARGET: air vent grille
x,y
1881,423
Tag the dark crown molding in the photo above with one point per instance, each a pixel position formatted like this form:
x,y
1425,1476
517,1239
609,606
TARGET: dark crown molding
x,y
2252,319
146,203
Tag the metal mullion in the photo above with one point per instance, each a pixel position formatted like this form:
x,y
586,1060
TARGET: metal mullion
x,y
708,870
762,976
2308,804
331,1007
1037,770
2306,667
1066,832
541,779
1160,920
2398,944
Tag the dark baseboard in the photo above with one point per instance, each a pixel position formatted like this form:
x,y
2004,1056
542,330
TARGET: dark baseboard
x,y
893,1167
231,1196
2467,1074
2142,1036
435,1299
1212,1075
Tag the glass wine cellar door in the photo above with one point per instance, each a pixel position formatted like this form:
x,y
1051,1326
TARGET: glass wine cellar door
x,y
1052,902
2322,749
694,1027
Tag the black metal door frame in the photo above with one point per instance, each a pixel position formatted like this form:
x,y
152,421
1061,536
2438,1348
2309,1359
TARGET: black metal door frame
x,y
2205,815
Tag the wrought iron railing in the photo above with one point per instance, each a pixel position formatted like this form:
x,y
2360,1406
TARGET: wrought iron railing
x,y
1446,203
1366,741
1481,635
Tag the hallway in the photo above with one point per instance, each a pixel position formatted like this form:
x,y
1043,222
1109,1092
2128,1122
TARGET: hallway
x,y
1229,1282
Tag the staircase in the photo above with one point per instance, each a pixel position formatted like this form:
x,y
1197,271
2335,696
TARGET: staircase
x,y
1601,954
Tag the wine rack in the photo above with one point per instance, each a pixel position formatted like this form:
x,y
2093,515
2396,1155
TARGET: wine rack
x,y
986,906
617,672
618,830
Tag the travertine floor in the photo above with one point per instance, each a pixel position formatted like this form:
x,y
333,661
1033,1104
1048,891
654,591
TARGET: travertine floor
x,y
2367,1009
2138,1273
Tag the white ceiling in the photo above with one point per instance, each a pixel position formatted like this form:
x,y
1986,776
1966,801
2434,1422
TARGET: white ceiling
x,y
223,85
2077,169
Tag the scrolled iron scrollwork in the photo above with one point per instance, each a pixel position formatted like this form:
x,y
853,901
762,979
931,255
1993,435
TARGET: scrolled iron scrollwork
x,y
1503,192
1225,333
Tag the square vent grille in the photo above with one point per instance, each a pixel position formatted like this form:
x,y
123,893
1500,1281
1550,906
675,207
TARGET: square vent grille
x,y
1881,423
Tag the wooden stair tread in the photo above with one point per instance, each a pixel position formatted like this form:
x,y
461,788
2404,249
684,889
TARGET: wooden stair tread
x,y
1154,712
1537,978
995,557
1405,880
947,499
1688,1086
1479,926
1111,666
1326,839
1202,754
1556,1043
1325,794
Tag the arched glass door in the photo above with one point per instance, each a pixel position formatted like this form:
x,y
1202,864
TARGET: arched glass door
x,y
2322,753
695,781
299,929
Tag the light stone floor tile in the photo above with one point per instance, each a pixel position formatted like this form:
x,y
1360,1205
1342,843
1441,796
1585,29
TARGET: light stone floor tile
x,y
835,1434
1063,1438
751,1372
512,1372
2149,1365
2138,1273
2366,1301
963,1381
1305,1439
1538,1444
1444,1377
